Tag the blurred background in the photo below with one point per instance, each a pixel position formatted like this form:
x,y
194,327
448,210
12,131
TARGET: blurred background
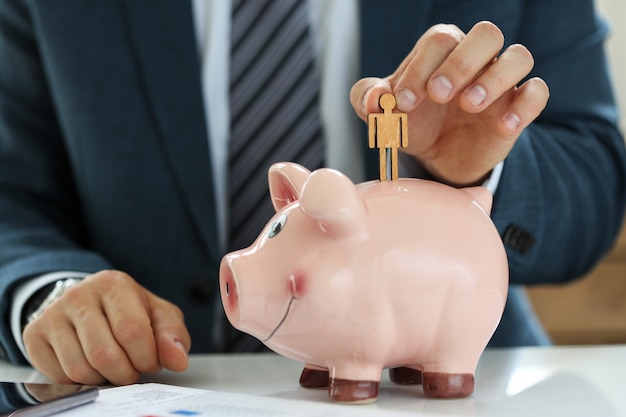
x,y
593,309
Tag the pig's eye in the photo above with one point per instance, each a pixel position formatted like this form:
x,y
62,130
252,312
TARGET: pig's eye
x,y
277,226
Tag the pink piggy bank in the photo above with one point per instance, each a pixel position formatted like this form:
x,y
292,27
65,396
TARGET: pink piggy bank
x,y
350,279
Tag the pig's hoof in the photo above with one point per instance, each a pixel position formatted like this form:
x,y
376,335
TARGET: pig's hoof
x,y
442,385
314,378
405,376
353,392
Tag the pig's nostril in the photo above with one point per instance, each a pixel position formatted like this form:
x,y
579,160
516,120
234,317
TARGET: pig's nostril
x,y
229,291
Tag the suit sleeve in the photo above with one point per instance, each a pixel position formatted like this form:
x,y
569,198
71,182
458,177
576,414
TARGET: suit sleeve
x,y
40,216
561,197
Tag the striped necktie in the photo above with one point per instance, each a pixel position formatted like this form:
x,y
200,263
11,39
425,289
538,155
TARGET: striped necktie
x,y
274,93
275,117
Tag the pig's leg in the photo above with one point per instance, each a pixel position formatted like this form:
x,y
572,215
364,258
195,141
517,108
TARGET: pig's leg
x,y
405,376
351,391
467,323
314,377
447,385
344,388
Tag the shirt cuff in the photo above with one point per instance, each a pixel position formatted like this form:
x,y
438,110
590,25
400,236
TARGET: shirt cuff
x,y
22,295
493,181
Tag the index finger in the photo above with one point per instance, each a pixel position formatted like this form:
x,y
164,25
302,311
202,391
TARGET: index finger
x,y
410,80
171,335
465,62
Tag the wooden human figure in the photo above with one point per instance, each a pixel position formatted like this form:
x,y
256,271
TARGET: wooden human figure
x,y
388,131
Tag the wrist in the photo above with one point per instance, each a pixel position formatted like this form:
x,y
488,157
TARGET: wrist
x,y
36,305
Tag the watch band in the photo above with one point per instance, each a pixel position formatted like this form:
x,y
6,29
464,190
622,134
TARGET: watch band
x,y
57,291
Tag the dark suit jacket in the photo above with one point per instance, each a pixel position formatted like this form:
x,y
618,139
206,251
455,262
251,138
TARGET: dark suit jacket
x,y
104,160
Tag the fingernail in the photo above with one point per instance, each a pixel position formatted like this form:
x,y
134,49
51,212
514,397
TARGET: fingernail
x,y
441,87
476,95
511,121
364,103
405,100
181,346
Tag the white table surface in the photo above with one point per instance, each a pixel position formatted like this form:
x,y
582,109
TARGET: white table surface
x,y
554,381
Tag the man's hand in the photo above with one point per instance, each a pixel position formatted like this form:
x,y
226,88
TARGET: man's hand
x,y
107,328
462,98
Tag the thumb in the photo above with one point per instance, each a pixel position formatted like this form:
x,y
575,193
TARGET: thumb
x,y
365,94
171,335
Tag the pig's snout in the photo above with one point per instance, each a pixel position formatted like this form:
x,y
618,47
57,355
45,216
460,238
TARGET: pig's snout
x,y
229,291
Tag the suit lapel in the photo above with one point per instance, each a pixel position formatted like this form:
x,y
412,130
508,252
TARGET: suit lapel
x,y
162,34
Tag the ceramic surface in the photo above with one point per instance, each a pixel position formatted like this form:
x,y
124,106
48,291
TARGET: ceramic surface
x,y
350,279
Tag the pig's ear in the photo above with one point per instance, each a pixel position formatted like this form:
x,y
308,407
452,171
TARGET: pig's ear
x,y
333,201
286,180
482,196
